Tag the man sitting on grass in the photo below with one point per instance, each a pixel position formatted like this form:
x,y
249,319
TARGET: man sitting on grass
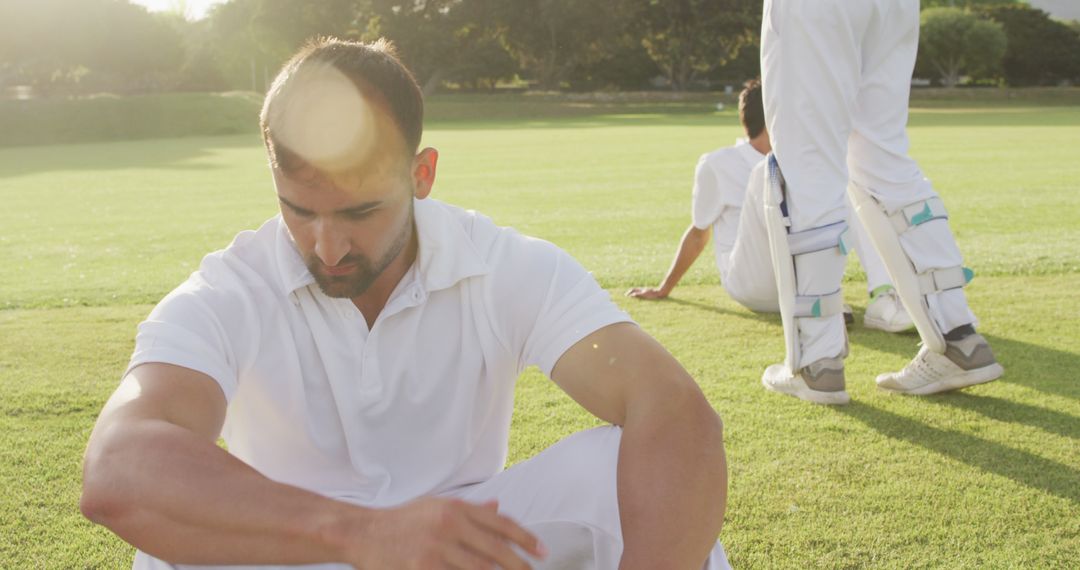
x,y
358,355
729,185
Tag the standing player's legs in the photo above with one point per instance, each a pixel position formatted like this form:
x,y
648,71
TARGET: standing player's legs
x,y
751,281
567,497
904,216
885,311
810,79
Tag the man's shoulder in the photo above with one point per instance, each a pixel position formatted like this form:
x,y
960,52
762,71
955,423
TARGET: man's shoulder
x,y
248,265
720,157
492,242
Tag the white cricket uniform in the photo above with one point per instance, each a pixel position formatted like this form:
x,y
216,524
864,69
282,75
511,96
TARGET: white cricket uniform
x,y
421,403
836,77
728,198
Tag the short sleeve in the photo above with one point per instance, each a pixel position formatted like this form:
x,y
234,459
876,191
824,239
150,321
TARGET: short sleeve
x,y
199,327
707,200
543,301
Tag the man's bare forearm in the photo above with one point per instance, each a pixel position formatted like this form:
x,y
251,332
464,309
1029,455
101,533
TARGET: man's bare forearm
x,y
179,497
693,243
672,484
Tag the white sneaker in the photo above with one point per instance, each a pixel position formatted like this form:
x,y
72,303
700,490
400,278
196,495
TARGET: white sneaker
x,y
966,362
886,313
821,382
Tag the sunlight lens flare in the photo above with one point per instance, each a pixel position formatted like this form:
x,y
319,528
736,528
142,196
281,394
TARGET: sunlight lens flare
x,y
325,120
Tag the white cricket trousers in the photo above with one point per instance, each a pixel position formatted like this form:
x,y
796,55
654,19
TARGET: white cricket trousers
x,y
836,77
566,495
750,278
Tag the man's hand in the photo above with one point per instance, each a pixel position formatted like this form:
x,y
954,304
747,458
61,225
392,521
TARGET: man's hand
x,y
693,242
437,533
648,293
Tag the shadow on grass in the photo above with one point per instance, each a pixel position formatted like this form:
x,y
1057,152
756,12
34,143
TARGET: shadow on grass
x,y
152,154
1020,466
1012,412
1040,368
742,314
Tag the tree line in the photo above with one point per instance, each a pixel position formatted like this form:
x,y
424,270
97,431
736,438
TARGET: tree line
x,y
70,47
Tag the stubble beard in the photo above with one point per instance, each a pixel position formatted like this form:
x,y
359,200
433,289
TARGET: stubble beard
x,y
357,283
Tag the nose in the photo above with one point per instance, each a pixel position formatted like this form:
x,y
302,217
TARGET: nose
x,y
331,245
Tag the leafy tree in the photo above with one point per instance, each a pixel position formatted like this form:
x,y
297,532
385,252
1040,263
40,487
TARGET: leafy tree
x,y
965,3
627,66
232,45
444,40
280,27
955,42
688,38
129,48
1041,50
552,38
64,46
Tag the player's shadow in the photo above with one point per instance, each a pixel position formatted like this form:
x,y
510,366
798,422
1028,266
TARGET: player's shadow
x,y
1040,368
740,313
1002,410
1025,468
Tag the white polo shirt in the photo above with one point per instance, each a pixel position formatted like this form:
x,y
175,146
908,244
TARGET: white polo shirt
x,y
719,186
419,404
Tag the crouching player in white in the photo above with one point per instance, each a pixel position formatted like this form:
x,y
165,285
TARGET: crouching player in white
x,y
358,354
836,78
727,202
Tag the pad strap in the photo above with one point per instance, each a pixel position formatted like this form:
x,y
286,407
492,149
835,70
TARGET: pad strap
x,y
819,305
819,239
937,280
917,214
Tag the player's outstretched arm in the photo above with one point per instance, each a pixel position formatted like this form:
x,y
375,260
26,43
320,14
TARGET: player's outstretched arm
x,y
672,474
154,476
693,243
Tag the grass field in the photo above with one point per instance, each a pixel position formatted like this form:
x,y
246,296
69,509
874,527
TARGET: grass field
x,y
92,235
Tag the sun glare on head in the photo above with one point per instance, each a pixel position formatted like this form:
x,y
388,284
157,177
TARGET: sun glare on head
x,y
324,119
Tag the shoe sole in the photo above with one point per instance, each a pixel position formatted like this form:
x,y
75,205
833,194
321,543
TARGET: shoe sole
x,y
887,326
804,393
969,378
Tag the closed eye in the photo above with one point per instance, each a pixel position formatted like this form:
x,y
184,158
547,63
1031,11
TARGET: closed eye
x,y
358,213
296,209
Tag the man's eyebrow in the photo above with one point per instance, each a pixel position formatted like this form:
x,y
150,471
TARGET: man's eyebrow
x,y
294,206
359,208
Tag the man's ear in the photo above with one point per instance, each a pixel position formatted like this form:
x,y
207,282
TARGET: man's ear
x,y
423,172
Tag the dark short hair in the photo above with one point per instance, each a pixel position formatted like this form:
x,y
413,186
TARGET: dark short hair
x,y
751,108
377,73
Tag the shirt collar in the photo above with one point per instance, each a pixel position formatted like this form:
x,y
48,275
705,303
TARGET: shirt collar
x,y
445,253
750,153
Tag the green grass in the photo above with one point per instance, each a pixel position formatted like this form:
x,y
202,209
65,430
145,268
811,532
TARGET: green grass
x,y
92,235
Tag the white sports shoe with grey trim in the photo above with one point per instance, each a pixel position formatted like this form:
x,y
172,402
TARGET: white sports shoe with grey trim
x,y
886,313
821,382
966,362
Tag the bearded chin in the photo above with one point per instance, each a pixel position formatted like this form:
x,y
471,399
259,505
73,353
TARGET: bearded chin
x,y
345,286
356,284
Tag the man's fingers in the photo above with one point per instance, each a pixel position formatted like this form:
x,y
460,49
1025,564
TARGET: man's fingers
x,y
491,547
461,557
506,529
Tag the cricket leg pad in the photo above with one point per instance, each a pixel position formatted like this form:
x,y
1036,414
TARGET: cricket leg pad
x,y
906,237
808,266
